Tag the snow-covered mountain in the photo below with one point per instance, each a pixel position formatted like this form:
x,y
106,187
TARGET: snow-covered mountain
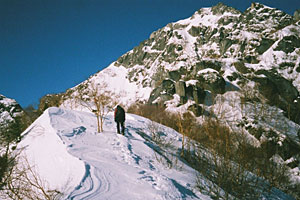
x,y
216,50
250,58
242,68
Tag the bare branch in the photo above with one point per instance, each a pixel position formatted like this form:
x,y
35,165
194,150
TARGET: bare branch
x,y
98,100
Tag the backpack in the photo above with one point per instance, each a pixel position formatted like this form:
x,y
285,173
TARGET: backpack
x,y
119,114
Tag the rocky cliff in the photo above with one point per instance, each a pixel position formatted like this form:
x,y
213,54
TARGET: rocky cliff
x,y
13,120
220,49
9,110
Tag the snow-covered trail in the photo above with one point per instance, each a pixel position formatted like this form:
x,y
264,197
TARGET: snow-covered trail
x,y
120,167
69,155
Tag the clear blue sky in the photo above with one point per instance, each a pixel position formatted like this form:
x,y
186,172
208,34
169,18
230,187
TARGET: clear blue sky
x,y
48,46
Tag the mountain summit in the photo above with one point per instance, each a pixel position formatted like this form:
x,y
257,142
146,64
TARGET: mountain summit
x,y
216,50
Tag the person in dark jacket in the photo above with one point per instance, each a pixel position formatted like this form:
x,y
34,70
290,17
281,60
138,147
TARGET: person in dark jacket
x,y
120,118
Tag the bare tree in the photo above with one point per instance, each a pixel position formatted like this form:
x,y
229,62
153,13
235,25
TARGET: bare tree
x,y
98,100
21,181
185,124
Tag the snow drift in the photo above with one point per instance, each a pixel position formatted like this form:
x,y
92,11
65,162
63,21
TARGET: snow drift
x,y
70,156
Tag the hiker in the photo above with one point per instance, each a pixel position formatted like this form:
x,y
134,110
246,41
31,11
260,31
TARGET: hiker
x,y
120,118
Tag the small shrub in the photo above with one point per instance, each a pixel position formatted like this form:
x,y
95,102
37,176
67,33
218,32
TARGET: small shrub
x,y
235,167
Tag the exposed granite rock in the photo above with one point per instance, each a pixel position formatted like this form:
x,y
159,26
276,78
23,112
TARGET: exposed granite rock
x,y
180,88
288,44
175,75
163,92
212,81
265,44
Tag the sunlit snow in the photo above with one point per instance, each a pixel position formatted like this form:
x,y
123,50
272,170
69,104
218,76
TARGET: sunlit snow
x,y
68,153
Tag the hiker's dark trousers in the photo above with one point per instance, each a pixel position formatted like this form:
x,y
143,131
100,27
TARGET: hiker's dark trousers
x,y
122,127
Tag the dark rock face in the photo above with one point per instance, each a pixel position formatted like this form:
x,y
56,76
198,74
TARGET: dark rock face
x,y
199,95
196,94
251,59
10,106
288,44
288,149
195,31
283,87
175,75
168,86
240,67
13,119
208,80
268,89
180,88
164,92
281,93
224,45
265,44
211,81
298,68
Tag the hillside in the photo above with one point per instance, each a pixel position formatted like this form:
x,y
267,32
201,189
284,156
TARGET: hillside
x,y
238,69
64,148
242,66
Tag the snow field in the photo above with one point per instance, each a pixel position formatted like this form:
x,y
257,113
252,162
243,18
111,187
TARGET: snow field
x,y
65,148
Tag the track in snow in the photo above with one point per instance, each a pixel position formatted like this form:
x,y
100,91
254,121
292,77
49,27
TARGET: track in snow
x,y
119,167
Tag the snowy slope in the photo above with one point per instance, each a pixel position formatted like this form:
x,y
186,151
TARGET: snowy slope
x,y
68,153
48,155
249,60
117,82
